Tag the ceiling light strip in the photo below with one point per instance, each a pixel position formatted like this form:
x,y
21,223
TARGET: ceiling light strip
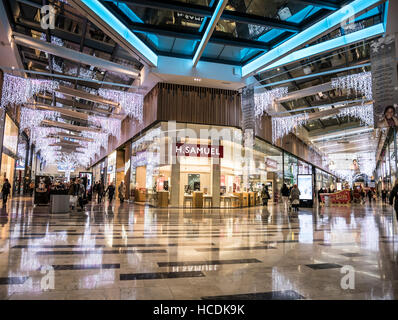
x,y
209,30
114,23
313,32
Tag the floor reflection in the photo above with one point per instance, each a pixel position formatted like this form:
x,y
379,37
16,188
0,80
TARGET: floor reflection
x,y
138,252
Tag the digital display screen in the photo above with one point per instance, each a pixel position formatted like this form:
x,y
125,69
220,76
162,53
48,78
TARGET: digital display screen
x,y
304,183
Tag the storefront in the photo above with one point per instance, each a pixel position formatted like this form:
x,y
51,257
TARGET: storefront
x,y
325,180
217,172
99,171
9,152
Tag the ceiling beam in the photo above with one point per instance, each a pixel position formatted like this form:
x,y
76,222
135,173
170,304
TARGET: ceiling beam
x,y
73,55
320,4
219,8
67,126
204,11
82,106
333,70
70,136
86,96
66,112
314,32
103,18
191,34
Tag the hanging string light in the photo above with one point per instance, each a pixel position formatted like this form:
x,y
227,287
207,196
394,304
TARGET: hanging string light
x,y
131,103
363,112
31,118
18,90
282,126
264,101
360,83
110,126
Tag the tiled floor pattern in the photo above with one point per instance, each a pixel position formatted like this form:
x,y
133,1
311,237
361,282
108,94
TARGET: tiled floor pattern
x,y
136,252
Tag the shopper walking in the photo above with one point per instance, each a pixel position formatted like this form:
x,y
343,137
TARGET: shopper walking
x,y
265,195
111,192
394,195
31,187
122,191
384,196
319,196
295,197
285,192
81,194
100,191
370,195
5,190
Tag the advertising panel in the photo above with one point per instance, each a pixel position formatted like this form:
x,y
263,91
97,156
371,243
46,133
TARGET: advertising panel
x,y
304,183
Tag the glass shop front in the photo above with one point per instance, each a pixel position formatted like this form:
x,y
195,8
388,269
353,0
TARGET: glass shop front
x,y
9,154
182,167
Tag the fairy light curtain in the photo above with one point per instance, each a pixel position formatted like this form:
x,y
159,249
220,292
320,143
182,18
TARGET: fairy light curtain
x,y
281,126
18,90
360,83
263,102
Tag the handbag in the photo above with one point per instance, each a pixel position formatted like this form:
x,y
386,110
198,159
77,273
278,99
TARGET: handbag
x,y
296,202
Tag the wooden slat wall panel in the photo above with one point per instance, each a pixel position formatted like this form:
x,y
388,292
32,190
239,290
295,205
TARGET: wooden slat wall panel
x,y
198,105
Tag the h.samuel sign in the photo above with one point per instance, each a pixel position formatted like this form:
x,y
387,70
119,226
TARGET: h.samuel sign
x,y
197,150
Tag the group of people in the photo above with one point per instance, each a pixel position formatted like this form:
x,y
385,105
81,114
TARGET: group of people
x,y
292,194
78,190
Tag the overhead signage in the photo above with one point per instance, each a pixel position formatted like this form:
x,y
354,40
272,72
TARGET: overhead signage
x,y
197,150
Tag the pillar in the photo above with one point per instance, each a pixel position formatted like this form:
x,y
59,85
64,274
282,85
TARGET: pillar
x,y
127,173
2,117
175,178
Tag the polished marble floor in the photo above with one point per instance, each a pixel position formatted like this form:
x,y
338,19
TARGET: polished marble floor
x,y
130,251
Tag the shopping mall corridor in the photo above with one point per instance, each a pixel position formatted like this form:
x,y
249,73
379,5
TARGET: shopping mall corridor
x,y
134,252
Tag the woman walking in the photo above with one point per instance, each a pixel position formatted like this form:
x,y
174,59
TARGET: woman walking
x,y
295,197
265,195
122,191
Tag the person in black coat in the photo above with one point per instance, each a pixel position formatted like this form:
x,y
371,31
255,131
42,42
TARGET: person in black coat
x,y
394,194
384,196
111,192
6,191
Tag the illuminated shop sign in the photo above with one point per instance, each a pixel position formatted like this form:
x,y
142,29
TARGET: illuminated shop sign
x,y
270,163
188,17
197,150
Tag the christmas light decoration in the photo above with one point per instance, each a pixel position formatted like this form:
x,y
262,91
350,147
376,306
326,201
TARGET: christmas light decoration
x,y
360,83
264,101
363,112
31,118
17,90
131,103
110,126
21,150
54,40
282,126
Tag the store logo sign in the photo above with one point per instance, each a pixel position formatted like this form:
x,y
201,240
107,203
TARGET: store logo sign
x,y
197,150
270,163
